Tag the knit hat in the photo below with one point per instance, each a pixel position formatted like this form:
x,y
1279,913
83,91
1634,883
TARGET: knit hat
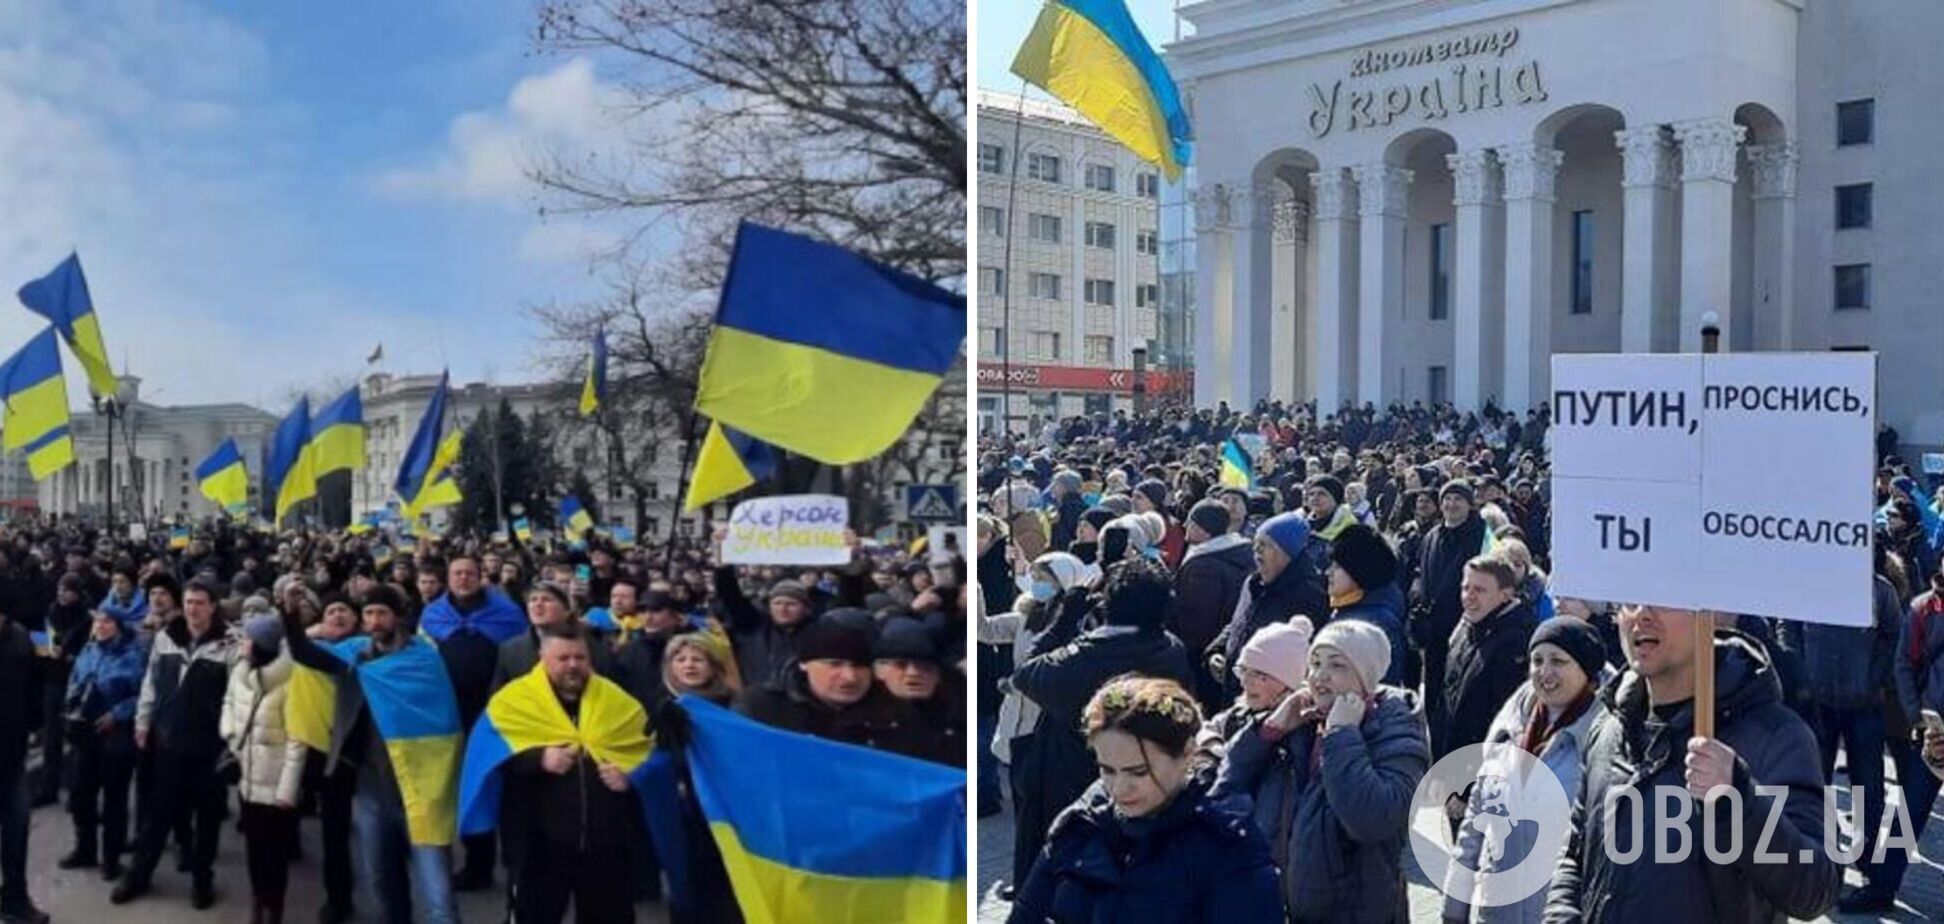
x,y
834,640
1364,644
1460,487
555,591
1289,531
1099,517
1211,515
905,639
1577,638
1067,478
1119,505
1362,553
1015,465
265,632
1138,592
1156,491
790,590
389,597
1281,650
1329,484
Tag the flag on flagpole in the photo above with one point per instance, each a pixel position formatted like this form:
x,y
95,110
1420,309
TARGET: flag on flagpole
x,y
415,470
62,297
594,388
338,435
292,477
730,461
36,416
223,478
1090,55
574,517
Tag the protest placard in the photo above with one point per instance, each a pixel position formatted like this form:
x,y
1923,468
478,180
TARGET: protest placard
x,y
793,529
1732,483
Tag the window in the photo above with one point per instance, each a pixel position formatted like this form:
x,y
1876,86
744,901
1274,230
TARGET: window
x,y
989,340
1147,296
654,490
1100,350
1043,228
1437,384
1583,262
1100,292
1440,272
1855,122
992,159
1852,286
1147,185
1147,242
1100,234
992,221
1043,285
1043,167
1853,206
992,280
1046,345
1100,177
651,526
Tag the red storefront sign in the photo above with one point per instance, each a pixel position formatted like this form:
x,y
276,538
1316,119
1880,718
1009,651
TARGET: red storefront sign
x,y
1075,378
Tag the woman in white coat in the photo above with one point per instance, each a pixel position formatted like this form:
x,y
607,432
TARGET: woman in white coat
x,y
270,764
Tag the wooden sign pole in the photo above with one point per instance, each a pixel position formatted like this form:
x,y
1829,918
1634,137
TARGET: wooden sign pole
x,y
1704,621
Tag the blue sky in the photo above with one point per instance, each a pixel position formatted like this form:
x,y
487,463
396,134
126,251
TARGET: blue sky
x,y
261,192
1003,24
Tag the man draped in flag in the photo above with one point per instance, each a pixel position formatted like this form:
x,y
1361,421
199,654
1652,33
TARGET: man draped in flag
x,y
62,297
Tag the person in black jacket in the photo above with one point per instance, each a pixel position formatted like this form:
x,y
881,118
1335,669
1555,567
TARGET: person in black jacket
x,y
1212,575
765,640
568,821
998,590
638,663
1435,606
18,713
67,625
1289,581
1488,652
830,693
548,604
1068,505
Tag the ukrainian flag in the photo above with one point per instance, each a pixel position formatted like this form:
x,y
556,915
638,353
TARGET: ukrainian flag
x,y
730,461
1237,470
864,836
415,713
291,472
338,435
611,728
1090,55
223,479
62,297
595,387
36,417
574,517
523,528
415,472
823,352
443,490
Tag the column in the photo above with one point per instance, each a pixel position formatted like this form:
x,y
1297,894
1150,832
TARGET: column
x,y
1708,149
1211,296
1249,208
1774,170
1336,288
1530,171
1474,274
1646,283
1381,192
1290,349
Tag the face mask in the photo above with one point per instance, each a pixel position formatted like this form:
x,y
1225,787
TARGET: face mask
x,y
1152,553
1045,590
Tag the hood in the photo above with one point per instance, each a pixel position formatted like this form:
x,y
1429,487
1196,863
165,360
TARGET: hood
x,y
1219,544
1744,679
1068,571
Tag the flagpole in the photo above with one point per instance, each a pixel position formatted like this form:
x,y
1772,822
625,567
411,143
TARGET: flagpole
x,y
681,492
1006,273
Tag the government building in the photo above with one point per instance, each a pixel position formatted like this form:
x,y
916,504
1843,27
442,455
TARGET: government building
x,y
1403,200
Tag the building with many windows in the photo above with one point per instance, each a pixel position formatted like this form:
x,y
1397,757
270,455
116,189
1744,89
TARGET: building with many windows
x,y
1069,269
1446,194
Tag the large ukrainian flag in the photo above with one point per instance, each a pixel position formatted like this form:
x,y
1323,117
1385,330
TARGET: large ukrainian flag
x,y
611,728
863,836
415,471
223,479
36,418
291,474
1090,55
338,435
729,462
415,712
62,297
823,352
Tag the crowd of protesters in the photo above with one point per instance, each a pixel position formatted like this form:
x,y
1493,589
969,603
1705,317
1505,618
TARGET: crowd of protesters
x,y
146,684
1212,695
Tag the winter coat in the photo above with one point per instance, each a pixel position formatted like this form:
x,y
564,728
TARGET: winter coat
x,y
68,628
879,721
1633,749
1017,714
1196,861
764,650
182,694
1061,682
1066,521
271,761
1435,608
1337,823
1487,663
1297,591
107,679
19,699
1562,754
129,613
1206,588
471,655
1383,608
1846,667
1918,665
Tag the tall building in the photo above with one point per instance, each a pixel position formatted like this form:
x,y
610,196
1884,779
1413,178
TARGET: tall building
x,y
1069,267
156,451
1443,195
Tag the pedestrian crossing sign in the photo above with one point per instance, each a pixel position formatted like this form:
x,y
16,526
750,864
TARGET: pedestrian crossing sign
x,y
936,503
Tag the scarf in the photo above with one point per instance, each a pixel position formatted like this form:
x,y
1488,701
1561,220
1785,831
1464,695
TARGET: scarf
x,y
1347,598
1538,731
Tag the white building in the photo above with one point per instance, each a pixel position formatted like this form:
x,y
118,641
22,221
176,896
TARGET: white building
x,y
156,451
1419,199
1083,268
